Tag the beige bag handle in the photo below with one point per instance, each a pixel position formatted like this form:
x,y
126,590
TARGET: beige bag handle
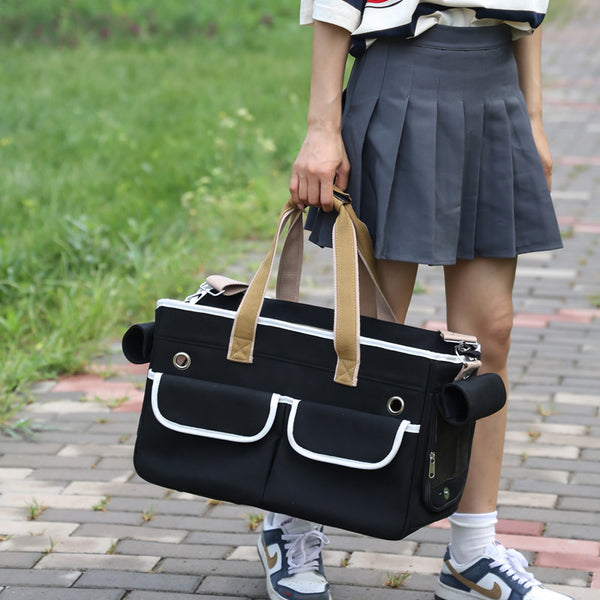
x,y
351,243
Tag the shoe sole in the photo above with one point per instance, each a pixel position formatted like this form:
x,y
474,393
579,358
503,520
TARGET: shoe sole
x,y
273,595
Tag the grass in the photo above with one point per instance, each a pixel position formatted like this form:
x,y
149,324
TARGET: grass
x,y
141,143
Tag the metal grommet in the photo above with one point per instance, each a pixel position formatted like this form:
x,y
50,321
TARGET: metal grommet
x,y
395,405
446,493
182,360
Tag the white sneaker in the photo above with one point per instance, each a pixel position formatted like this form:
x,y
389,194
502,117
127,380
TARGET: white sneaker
x,y
498,574
291,556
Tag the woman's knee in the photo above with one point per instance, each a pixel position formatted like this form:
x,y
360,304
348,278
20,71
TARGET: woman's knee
x,y
494,336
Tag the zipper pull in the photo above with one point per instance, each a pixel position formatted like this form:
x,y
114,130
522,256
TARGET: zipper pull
x,y
431,465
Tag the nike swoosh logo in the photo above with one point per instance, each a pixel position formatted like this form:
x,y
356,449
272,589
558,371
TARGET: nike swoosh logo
x,y
493,594
271,560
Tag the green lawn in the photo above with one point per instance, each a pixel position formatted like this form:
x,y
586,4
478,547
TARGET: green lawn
x,y
133,162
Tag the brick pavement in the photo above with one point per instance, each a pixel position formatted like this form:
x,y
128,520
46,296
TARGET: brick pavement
x,y
99,532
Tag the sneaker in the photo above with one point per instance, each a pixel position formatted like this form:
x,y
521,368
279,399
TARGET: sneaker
x,y
498,574
291,556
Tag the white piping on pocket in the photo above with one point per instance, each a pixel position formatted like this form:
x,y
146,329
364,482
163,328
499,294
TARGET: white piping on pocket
x,y
404,427
210,433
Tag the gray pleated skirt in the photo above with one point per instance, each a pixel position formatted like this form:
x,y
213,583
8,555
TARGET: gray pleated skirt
x,y
443,161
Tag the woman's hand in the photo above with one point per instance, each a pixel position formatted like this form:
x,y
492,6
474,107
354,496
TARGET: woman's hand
x,y
322,160
543,149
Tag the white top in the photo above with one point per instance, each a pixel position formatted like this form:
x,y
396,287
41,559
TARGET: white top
x,y
369,19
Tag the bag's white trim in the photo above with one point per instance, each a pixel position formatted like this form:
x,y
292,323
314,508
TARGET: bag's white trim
x,y
276,399
403,428
210,433
312,331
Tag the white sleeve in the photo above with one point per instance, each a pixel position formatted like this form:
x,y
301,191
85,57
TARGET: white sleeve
x,y
337,12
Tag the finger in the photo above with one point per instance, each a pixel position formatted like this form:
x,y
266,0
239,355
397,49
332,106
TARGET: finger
x,y
342,175
294,184
326,197
314,191
302,190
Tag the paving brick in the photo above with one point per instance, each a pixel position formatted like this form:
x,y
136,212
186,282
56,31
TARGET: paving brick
x,y
137,595
19,560
512,498
533,462
382,593
37,528
179,550
224,568
217,585
393,562
536,475
587,491
92,516
33,488
554,575
98,475
15,445
431,550
571,530
75,437
119,532
195,508
331,558
589,454
542,450
64,560
586,479
583,504
196,523
47,593
578,399
140,490
63,501
581,562
548,544
96,450
548,515
137,581
30,577
123,464
34,461
8,474
217,538
62,407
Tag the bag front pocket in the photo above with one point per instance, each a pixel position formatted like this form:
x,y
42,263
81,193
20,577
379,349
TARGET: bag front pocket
x,y
331,457
209,439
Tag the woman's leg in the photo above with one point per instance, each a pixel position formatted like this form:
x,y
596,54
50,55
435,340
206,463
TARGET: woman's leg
x,y
397,283
479,302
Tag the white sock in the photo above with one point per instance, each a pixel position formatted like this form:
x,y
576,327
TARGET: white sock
x,y
471,533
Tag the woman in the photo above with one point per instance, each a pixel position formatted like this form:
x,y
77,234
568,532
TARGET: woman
x,y
442,148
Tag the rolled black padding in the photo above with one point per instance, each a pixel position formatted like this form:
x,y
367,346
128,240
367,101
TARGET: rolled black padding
x,y
137,343
469,399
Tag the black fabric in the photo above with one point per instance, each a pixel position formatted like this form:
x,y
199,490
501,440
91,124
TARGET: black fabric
x,y
137,343
349,423
470,399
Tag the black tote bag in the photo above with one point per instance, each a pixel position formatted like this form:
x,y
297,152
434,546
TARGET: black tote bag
x,y
355,422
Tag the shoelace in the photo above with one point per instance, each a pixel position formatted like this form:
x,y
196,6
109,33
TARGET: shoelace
x,y
303,550
513,563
